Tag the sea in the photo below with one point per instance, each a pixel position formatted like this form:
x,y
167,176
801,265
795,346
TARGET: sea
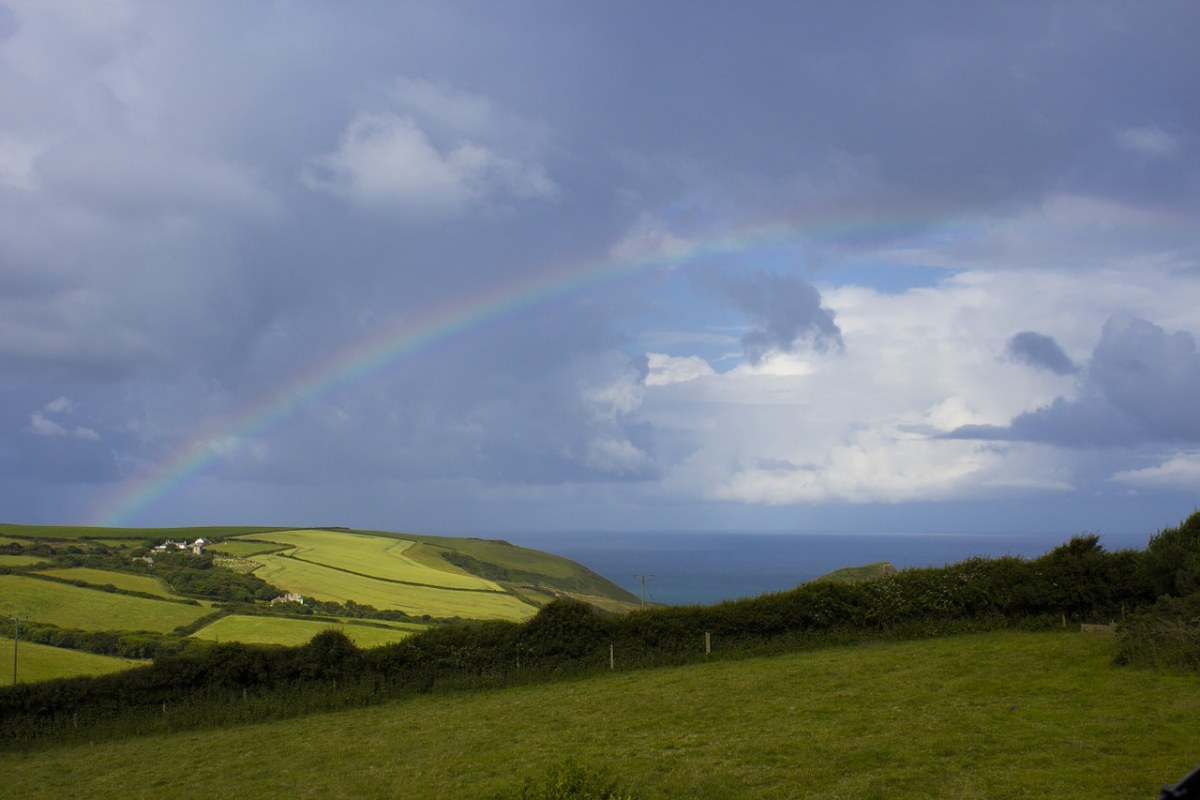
x,y
678,568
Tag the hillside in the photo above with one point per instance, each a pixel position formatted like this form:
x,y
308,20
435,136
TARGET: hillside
x,y
861,573
111,592
1001,715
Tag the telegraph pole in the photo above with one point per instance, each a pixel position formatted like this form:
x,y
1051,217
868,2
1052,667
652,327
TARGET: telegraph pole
x,y
16,638
643,577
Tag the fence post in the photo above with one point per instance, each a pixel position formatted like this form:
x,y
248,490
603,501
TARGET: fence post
x,y
612,658
707,644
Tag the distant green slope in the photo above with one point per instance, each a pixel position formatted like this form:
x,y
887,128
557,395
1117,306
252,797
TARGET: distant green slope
x,y
865,572
426,577
515,567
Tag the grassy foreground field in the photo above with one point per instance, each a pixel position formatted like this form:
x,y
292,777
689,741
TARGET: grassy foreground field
x,y
1002,715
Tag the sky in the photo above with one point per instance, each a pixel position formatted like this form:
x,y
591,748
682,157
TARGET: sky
x,y
468,268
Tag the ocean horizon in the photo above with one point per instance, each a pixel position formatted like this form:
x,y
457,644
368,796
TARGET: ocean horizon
x,y
687,568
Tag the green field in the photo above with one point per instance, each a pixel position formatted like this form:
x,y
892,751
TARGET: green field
x,y
37,662
90,609
1000,716
373,556
21,561
322,583
292,631
241,549
121,580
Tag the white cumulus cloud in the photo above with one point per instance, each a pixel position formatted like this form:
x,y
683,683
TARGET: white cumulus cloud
x,y
385,160
1181,471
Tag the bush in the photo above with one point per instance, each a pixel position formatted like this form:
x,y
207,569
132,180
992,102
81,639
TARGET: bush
x,y
569,781
1172,559
1164,636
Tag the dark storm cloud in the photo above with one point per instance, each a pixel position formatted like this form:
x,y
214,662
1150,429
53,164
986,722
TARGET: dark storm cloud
x,y
1140,385
182,236
785,312
1040,351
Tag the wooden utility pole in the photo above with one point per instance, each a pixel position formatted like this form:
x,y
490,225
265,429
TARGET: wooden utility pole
x,y
16,638
643,577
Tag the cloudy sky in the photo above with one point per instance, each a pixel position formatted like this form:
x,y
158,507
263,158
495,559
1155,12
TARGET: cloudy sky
x,y
484,267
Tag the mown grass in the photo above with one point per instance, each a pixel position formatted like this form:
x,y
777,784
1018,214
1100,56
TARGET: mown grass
x,y
322,583
121,580
373,556
292,631
38,662
90,609
1000,716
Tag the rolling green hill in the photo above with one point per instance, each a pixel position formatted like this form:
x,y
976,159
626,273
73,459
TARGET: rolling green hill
x,y
1003,716
96,581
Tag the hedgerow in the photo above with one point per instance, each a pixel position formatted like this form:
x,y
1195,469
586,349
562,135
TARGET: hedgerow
x,y
1077,582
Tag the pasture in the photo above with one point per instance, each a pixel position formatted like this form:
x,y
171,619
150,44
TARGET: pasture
x,y
38,662
323,583
241,549
292,631
21,561
1001,716
121,580
90,609
375,557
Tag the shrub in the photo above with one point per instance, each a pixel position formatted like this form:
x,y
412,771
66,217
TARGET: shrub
x,y
569,781
1166,635
564,630
1172,559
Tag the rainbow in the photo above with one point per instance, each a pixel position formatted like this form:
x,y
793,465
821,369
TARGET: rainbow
x,y
394,342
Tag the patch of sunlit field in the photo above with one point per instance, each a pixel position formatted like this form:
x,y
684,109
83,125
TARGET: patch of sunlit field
x,y
1001,716
243,548
90,609
292,631
39,662
373,556
21,561
323,583
121,580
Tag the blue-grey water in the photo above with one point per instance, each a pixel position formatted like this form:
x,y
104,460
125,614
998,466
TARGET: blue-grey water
x,y
686,568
